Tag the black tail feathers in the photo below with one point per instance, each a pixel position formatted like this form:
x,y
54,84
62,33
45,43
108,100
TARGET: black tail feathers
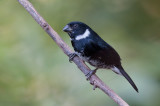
x,y
127,77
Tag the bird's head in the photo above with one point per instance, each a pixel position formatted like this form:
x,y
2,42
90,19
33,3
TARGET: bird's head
x,y
75,29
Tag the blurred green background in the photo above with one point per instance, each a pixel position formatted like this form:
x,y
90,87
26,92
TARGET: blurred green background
x,y
35,72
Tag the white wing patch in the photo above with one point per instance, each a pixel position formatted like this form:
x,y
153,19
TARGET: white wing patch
x,y
116,70
83,36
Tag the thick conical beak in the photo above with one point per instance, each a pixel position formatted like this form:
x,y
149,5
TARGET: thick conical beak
x,y
67,28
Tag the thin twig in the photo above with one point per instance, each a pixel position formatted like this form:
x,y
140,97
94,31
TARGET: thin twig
x,y
94,80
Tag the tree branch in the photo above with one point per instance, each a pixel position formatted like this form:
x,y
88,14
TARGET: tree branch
x,y
94,80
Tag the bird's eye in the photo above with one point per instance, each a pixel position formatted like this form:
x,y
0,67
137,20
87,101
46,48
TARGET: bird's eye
x,y
75,26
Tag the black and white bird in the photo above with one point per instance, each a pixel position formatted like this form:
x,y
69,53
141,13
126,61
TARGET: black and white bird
x,y
91,48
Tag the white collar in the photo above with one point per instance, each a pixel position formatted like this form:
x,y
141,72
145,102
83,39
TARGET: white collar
x,y
83,36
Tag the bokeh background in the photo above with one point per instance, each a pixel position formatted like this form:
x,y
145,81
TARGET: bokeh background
x,y
35,72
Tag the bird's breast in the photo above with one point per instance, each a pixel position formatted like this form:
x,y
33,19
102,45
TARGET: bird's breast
x,y
94,62
78,45
83,57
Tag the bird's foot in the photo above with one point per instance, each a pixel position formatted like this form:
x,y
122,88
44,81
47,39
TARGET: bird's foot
x,y
90,73
71,56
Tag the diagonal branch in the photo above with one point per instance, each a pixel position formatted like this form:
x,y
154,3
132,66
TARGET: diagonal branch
x,y
94,80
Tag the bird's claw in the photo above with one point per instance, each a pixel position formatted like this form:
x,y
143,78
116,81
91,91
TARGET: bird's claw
x,y
71,56
90,73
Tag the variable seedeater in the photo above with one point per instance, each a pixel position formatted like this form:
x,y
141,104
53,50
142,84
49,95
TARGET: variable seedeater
x,y
91,48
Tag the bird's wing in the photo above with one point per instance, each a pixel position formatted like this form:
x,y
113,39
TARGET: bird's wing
x,y
104,53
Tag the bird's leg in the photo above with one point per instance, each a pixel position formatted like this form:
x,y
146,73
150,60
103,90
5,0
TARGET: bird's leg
x,y
90,73
71,56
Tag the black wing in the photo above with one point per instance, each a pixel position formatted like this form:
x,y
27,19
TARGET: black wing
x,y
103,52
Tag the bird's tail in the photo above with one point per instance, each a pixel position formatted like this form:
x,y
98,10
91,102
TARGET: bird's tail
x,y
127,77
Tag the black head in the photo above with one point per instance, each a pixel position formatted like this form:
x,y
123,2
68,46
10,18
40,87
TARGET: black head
x,y
75,28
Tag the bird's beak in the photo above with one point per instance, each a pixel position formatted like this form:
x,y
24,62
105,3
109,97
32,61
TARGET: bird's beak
x,y
67,28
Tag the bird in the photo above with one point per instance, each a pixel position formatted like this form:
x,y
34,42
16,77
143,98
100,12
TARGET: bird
x,y
91,48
